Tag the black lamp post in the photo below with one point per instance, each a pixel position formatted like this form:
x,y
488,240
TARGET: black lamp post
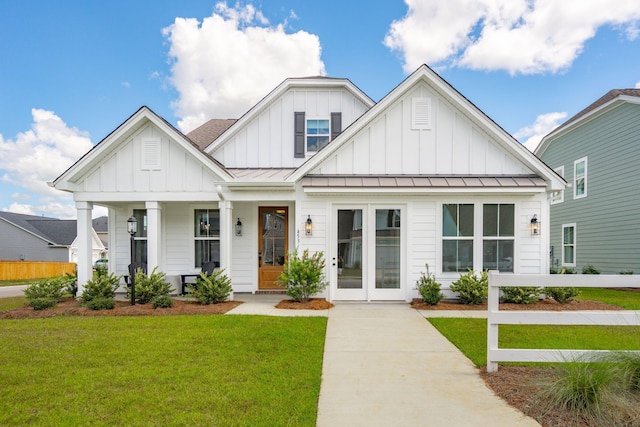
x,y
132,228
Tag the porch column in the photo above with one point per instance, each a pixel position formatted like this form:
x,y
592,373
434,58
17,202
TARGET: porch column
x,y
83,230
226,236
154,236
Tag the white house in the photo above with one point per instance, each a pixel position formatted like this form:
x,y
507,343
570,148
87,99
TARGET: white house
x,y
421,177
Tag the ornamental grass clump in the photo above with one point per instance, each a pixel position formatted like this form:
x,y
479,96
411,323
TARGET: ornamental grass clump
x,y
429,288
45,293
211,289
150,286
303,275
471,288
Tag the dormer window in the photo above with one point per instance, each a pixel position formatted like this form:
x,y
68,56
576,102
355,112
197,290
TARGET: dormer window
x,y
318,134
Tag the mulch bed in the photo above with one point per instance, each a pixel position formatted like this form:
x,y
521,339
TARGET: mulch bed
x,y
312,304
542,305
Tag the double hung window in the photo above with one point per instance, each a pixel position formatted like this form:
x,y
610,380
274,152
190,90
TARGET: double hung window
x,y
580,178
569,245
140,238
318,134
498,237
206,226
457,237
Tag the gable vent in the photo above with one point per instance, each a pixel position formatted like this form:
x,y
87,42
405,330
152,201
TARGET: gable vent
x,y
421,113
151,154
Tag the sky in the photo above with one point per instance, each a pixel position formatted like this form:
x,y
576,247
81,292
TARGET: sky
x,y
72,71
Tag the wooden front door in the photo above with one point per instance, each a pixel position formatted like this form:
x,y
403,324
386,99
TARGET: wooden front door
x,y
272,245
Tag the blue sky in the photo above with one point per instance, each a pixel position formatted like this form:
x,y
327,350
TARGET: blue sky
x,y
73,70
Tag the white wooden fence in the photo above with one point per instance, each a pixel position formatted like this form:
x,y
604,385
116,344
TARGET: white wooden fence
x,y
495,317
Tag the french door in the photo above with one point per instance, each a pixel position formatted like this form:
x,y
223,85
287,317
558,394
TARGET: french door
x,y
368,253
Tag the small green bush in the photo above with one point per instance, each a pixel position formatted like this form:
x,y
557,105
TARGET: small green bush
x,y
626,272
429,288
163,301
521,294
211,289
102,287
42,303
101,303
562,295
590,269
472,289
150,286
303,275
45,293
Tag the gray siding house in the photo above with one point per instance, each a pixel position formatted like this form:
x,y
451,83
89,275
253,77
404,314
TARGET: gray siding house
x,y
595,219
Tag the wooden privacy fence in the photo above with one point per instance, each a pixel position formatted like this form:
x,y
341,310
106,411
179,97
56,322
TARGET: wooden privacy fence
x,y
18,270
495,317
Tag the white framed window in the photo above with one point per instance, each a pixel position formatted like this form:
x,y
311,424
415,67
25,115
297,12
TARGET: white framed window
x,y
206,227
498,237
457,237
569,245
580,178
140,238
559,196
318,134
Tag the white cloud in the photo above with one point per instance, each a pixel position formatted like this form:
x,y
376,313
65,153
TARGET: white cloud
x,y
530,136
40,155
519,36
225,64
638,85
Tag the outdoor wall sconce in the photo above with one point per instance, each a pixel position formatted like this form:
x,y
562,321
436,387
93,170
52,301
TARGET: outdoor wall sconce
x,y
132,228
238,228
534,226
308,226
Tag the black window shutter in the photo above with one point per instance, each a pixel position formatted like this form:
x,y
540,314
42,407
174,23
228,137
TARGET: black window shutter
x,y
298,150
336,124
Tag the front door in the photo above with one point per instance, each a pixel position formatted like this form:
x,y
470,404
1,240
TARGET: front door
x,y
272,245
369,254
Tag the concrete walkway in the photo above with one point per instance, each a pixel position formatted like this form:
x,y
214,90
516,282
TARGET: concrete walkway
x,y
385,365
12,291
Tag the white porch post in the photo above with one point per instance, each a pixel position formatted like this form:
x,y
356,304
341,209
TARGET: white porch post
x,y
226,236
154,236
83,227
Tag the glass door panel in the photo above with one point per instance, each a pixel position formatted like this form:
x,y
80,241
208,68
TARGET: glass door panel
x,y
350,249
272,246
387,249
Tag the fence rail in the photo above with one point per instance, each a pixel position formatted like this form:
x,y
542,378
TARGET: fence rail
x,y
19,270
495,317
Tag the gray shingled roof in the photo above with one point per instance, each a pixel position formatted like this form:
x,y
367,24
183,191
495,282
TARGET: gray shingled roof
x,y
208,132
612,94
101,224
55,231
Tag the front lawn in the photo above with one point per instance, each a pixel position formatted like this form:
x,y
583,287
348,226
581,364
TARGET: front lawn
x,y
173,370
12,302
628,300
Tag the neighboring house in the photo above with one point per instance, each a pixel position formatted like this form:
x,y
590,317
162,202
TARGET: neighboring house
x,y
38,238
421,177
595,220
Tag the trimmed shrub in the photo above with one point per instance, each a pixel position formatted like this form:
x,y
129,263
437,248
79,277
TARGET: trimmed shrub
x,y
521,294
150,286
303,275
102,287
562,295
42,303
101,303
471,288
626,272
429,288
590,269
163,301
211,289
45,293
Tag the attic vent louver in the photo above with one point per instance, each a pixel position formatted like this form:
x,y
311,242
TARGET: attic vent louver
x,y
151,154
421,113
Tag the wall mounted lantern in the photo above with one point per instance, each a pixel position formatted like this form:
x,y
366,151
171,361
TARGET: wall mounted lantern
x,y
132,228
308,226
238,228
534,226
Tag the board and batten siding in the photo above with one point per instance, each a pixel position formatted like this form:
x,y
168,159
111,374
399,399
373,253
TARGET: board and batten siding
x,y
178,171
267,141
607,220
454,145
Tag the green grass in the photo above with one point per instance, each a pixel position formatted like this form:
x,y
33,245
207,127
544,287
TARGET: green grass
x,y
470,336
174,370
626,299
12,302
